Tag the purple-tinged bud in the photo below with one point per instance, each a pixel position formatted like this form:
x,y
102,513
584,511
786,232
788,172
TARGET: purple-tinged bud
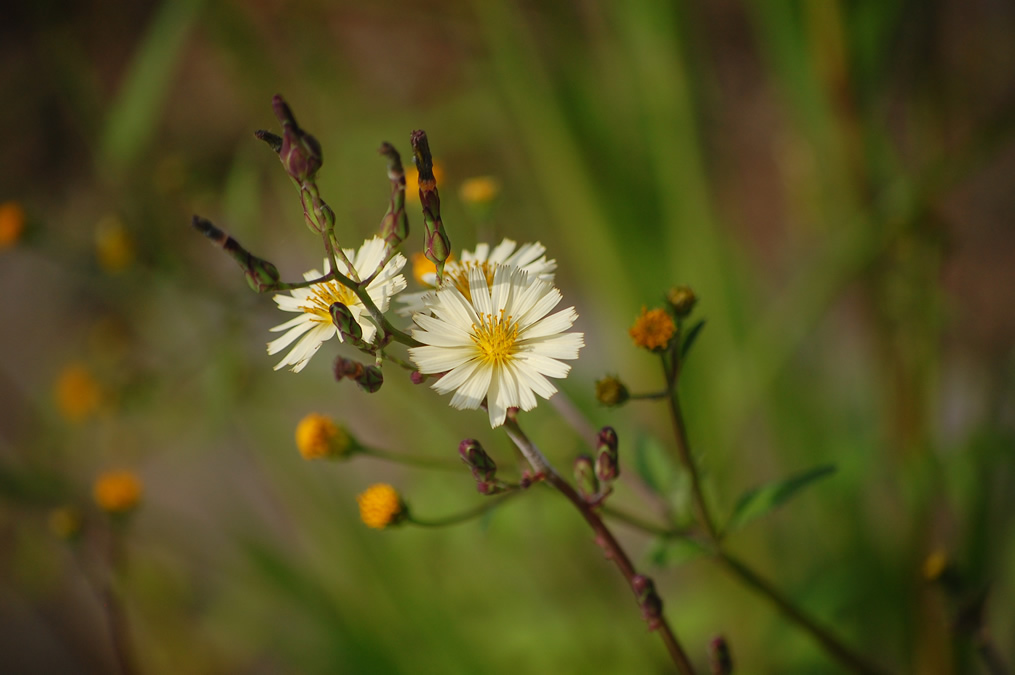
x,y
682,299
347,326
274,142
607,460
649,601
370,380
585,477
720,661
417,377
483,467
261,275
347,368
489,487
300,152
610,391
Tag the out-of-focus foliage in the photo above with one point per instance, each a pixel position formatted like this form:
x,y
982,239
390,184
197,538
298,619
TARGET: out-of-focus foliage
x,y
832,178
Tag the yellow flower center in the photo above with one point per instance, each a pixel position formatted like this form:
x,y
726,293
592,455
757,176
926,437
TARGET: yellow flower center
x,y
379,506
318,437
324,296
496,338
653,329
459,278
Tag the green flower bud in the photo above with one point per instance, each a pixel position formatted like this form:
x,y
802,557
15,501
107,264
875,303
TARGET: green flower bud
x,y
346,324
607,464
585,477
610,391
475,457
682,299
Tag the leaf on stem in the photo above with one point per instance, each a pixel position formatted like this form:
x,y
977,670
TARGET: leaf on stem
x,y
674,551
760,500
692,335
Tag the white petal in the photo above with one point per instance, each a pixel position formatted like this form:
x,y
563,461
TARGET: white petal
x,y
502,251
296,320
480,292
544,364
497,410
278,344
550,325
430,360
473,388
564,346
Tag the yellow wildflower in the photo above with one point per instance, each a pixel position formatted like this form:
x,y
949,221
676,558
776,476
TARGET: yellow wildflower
x,y
12,223
78,395
380,506
117,491
65,522
479,190
610,391
935,565
114,246
653,329
318,437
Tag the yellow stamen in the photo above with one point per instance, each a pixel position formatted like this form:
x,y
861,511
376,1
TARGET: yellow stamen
x,y
460,277
496,338
324,296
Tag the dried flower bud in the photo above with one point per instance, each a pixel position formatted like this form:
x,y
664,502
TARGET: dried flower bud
x,y
720,661
482,466
371,379
300,152
682,299
347,368
274,142
585,477
610,391
607,462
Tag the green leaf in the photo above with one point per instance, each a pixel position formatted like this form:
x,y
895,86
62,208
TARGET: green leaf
x,y
692,335
674,551
653,465
758,501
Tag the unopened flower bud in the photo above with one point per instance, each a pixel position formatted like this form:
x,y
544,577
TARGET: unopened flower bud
x,y
371,379
649,601
482,466
318,437
610,391
347,368
682,299
720,661
347,326
585,477
381,506
417,377
300,152
261,275
607,463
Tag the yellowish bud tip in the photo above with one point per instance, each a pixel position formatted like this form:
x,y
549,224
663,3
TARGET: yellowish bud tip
x,y
935,565
653,329
114,246
479,190
682,299
610,391
380,506
12,224
78,394
117,491
412,180
65,522
318,437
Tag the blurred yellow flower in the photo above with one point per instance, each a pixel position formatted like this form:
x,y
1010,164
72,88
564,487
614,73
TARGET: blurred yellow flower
x,y
318,437
424,271
117,491
935,565
78,394
114,246
12,223
653,329
412,180
610,391
380,506
479,190
65,522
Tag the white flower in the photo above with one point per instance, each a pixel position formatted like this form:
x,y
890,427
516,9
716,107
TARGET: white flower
x,y
528,257
313,326
499,343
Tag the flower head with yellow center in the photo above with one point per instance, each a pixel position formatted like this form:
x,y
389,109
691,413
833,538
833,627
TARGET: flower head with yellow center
x,y
498,343
318,437
653,330
314,326
117,491
380,506
529,257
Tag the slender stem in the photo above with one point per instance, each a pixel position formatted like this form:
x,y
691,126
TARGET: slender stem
x,y
413,460
640,524
604,537
115,613
831,644
464,516
684,453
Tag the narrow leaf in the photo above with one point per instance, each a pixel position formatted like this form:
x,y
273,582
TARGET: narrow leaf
x,y
692,335
671,552
758,501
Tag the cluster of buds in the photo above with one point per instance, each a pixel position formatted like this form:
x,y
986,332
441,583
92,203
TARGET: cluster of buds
x,y
648,599
483,468
369,378
594,477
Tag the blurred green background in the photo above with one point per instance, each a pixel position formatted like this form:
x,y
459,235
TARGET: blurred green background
x,y
834,179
